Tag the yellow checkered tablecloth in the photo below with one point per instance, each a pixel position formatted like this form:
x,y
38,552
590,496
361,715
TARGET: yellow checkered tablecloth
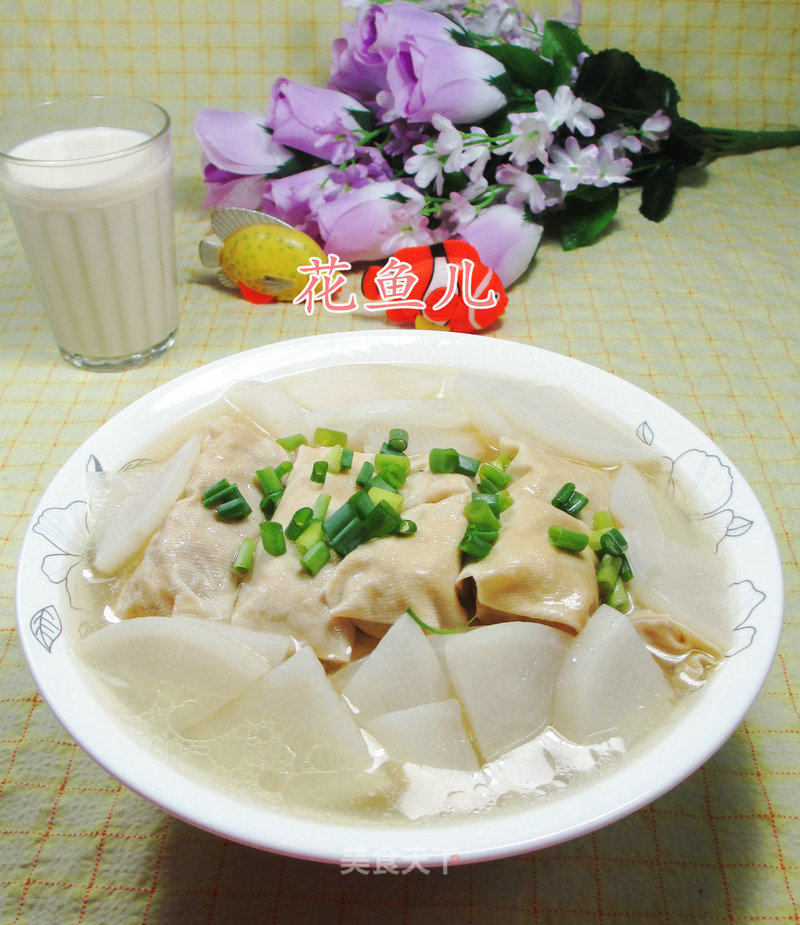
x,y
702,311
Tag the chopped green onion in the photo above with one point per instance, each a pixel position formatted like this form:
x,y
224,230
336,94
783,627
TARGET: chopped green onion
x,y
567,539
596,539
613,543
268,480
490,473
292,442
223,495
321,507
625,572
300,520
388,450
313,560
272,538
406,528
433,629
392,498
270,503
236,509
324,436
348,539
219,486
377,482
398,439
503,461
393,476
338,520
283,468
318,471
346,459
563,495
481,515
309,537
442,460
467,465
361,504
576,504
618,599
392,459
607,574
381,520
365,474
334,459
243,561
602,521
475,545
498,502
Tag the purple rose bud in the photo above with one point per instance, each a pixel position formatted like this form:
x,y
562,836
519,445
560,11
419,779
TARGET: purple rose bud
x,y
356,223
238,142
292,199
505,240
428,76
240,193
360,58
314,120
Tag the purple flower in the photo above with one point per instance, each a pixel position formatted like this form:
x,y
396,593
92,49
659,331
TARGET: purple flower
x,y
238,142
356,224
572,165
237,193
314,120
505,240
567,109
655,129
525,189
368,165
530,138
294,199
428,76
360,58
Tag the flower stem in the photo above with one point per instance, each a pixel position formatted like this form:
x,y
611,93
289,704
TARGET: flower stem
x,y
724,141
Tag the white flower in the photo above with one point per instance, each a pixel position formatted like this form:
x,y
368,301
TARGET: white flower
x,y
620,141
525,189
426,166
609,169
458,212
531,138
567,109
410,228
572,165
656,127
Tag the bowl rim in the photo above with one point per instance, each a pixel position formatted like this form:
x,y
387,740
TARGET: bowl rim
x,y
644,775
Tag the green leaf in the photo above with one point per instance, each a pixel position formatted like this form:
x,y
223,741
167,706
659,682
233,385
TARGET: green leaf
x,y
584,219
364,118
523,65
297,163
658,190
610,78
561,41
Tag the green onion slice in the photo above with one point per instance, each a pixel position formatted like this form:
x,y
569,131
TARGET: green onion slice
x,y
406,528
481,515
268,480
318,471
602,521
324,436
272,538
618,599
365,474
398,439
562,496
321,507
283,469
313,560
442,461
292,442
433,629
236,509
378,494
613,543
490,473
348,539
625,572
361,503
300,520
607,574
270,503
576,504
243,561
221,485
338,520
571,540
346,459
467,465
475,545
309,537
498,501
334,459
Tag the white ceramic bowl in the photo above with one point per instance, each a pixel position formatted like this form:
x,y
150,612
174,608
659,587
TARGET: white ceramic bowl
x,y
56,542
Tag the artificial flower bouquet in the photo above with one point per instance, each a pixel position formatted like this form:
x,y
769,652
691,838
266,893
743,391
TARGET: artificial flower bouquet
x,y
460,120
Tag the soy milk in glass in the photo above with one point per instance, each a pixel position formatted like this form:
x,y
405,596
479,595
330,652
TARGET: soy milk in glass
x,y
88,182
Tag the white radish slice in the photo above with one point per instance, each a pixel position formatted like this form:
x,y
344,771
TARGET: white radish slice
x,y
361,420
336,789
422,439
127,507
688,584
178,662
503,675
638,505
269,407
609,683
431,734
571,426
339,385
271,645
401,672
293,711
474,395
